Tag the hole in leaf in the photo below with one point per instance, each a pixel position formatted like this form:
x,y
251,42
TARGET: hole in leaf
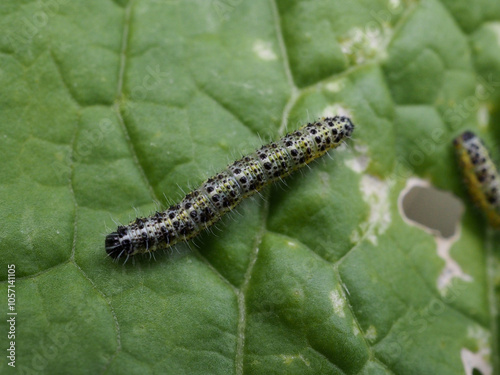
x,y
434,209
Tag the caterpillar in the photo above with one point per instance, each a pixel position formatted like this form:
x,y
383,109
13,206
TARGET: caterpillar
x,y
219,194
480,175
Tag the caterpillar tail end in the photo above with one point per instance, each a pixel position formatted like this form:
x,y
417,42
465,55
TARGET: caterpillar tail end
x,y
113,246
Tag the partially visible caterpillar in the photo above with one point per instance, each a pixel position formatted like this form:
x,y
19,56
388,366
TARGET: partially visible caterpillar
x,y
480,174
219,194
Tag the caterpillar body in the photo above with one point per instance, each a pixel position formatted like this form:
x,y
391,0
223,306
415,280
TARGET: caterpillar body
x,y
204,206
480,175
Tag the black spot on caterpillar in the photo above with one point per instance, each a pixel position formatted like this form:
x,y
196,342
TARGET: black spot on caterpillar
x,y
480,175
218,195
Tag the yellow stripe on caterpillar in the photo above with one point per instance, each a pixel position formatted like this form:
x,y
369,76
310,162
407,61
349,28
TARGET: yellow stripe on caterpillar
x,y
480,175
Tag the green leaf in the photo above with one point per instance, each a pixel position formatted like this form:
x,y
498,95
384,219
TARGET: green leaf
x,y
108,107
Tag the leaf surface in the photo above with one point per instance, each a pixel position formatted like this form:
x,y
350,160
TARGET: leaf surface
x,y
111,106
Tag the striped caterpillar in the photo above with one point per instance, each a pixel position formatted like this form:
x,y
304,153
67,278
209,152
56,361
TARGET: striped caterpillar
x,y
204,206
480,175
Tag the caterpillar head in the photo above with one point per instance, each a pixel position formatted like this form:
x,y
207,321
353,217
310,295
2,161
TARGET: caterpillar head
x,y
114,247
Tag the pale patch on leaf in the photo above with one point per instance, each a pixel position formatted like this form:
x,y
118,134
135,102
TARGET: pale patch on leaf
x,y
363,44
335,86
483,116
338,303
371,333
264,50
359,163
451,268
479,360
375,193
336,110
